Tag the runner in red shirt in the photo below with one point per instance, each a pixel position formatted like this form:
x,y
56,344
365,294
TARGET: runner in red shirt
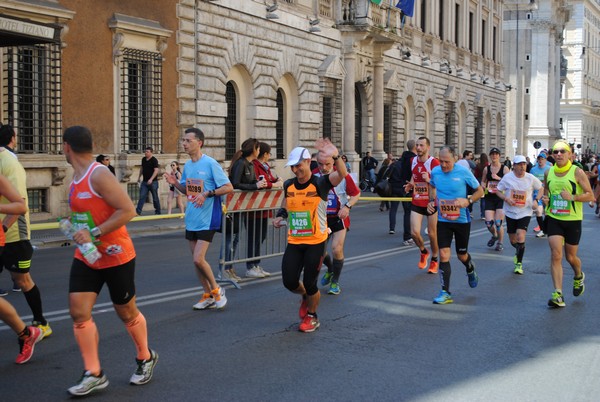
x,y
421,166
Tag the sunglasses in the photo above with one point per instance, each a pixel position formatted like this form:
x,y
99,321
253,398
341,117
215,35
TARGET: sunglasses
x,y
559,151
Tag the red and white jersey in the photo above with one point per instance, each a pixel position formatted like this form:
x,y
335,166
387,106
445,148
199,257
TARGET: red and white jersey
x,y
421,187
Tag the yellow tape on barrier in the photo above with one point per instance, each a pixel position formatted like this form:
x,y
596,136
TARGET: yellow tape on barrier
x,y
372,199
54,225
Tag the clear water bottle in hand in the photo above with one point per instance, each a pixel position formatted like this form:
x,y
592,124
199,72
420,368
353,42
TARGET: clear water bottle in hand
x,y
89,250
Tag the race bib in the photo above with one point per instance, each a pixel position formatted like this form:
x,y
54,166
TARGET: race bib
x,y
559,206
300,224
421,190
519,197
83,220
449,210
193,187
492,186
332,203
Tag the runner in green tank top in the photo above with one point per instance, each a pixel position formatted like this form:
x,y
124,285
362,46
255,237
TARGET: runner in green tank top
x,y
566,188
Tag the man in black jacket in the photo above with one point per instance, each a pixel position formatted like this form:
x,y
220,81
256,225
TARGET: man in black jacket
x,y
399,176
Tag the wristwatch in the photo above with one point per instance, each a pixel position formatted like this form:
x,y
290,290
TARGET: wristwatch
x,y
96,232
348,205
335,158
470,199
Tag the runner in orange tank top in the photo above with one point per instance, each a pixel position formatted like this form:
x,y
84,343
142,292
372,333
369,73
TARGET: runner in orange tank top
x,y
100,210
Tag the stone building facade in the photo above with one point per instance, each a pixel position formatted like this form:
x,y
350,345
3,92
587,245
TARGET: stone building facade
x,y
533,34
284,71
109,65
580,101
290,71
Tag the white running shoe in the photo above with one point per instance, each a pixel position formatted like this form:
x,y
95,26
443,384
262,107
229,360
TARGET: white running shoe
x,y
218,295
89,383
207,301
540,234
144,370
254,272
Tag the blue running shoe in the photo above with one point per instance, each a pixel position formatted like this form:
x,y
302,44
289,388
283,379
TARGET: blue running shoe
x,y
443,298
473,279
326,279
334,289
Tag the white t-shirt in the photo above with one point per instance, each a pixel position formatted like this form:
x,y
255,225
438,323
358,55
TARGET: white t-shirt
x,y
520,190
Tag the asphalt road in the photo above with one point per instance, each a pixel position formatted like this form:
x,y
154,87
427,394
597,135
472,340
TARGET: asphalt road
x,y
380,339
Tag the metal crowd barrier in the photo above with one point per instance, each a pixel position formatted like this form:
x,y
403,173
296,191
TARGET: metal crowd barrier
x,y
247,230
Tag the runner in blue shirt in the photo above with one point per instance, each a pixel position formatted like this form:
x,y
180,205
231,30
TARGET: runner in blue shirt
x,y
448,191
539,171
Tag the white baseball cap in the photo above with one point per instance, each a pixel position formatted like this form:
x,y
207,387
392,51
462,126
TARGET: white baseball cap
x,y
519,159
297,155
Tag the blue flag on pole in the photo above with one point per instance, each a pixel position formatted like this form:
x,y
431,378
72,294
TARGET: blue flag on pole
x,y
407,7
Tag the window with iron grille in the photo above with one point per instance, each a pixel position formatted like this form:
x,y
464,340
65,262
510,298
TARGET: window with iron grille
x,y
357,122
38,200
133,190
331,111
141,100
230,121
32,96
479,131
279,127
450,123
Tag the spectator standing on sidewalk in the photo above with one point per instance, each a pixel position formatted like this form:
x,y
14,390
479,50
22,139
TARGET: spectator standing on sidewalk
x,y
175,194
28,336
382,175
148,181
399,176
18,250
243,177
369,164
204,183
100,210
105,160
304,212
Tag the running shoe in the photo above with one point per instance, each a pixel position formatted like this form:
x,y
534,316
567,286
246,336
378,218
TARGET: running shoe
x,y
144,370
3,292
540,234
27,345
423,260
519,268
309,323
473,278
433,267
443,298
218,296
254,272
499,247
207,301
262,271
303,309
597,209
89,383
392,231
231,274
326,279
16,288
334,289
578,286
46,330
409,242
557,300
537,229
492,241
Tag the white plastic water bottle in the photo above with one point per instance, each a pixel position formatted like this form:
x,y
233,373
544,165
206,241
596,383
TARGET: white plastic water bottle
x,y
89,250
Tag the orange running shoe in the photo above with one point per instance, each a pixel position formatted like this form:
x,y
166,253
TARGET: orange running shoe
x,y
423,260
433,267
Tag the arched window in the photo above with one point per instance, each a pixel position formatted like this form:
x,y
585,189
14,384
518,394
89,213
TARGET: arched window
x,y
230,121
279,126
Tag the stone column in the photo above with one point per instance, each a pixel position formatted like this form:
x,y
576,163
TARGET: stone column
x,y
348,108
378,152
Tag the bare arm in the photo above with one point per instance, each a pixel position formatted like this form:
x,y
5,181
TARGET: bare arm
x,y
16,205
